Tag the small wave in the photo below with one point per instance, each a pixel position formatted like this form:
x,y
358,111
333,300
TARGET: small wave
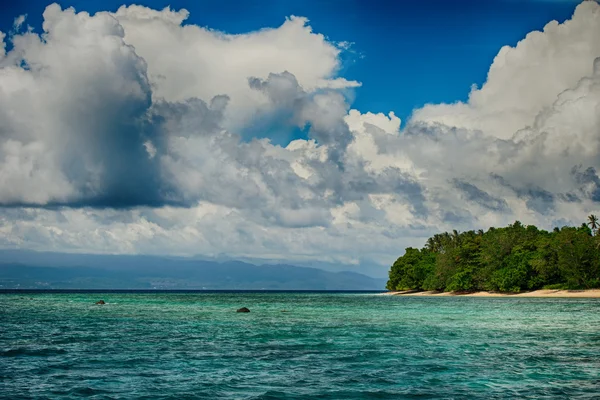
x,y
87,391
23,351
273,394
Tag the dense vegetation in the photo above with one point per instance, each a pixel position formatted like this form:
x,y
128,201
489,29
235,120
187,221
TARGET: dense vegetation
x,y
512,259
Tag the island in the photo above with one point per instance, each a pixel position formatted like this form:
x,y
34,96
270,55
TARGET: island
x,y
516,260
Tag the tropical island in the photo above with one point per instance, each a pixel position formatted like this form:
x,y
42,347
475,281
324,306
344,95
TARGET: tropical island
x,y
516,259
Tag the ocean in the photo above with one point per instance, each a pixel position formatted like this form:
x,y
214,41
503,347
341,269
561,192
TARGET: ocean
x,y
296,345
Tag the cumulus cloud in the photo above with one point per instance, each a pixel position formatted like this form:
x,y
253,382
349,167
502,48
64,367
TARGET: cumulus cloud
x,y
526,79
191,61
122,132
72,102
86,121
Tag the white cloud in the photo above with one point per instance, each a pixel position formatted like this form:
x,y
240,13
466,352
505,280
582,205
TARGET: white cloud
x,y
191,61
2,45
70,102
525,79
18,22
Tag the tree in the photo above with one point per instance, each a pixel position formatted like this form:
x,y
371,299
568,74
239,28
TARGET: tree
x,y
510,259
456,237
410,270
578,258
593,223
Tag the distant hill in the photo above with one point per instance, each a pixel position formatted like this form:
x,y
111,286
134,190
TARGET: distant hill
x,y
26,269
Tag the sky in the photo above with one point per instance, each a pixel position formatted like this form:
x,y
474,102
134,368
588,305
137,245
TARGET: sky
x,y
323,131
399,48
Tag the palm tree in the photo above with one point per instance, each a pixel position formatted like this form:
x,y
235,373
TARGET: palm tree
x,y
593,223
430,245
456,239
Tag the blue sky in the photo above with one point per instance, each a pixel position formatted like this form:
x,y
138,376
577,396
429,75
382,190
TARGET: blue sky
x,y
406,53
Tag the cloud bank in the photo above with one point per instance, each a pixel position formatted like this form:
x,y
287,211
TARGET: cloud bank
x,y
123,132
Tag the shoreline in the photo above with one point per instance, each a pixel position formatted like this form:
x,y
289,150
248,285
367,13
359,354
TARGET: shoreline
x,y
542,293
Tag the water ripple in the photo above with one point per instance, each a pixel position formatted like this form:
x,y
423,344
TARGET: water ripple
x,y
327,346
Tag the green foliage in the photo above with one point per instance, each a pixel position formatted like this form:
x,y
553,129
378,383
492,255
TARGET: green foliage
x,y
511,259
410,270
557,286
462,281
578,257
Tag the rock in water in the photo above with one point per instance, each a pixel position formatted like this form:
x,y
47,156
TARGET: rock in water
x,y
100,302
243,309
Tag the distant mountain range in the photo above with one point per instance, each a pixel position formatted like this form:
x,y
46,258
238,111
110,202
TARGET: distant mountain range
x,y
37,270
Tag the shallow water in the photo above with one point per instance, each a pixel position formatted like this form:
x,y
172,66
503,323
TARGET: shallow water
x,y
342,346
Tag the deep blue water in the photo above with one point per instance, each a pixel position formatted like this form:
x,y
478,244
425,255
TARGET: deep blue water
x,y
325,345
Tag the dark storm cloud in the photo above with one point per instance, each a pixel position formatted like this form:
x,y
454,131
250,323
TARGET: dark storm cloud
x,y
536,199
476,195
588,177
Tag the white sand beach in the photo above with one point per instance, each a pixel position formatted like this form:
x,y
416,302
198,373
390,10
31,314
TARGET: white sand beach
x,y
592,293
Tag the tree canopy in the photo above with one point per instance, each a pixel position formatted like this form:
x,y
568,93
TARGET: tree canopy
x,y
511,259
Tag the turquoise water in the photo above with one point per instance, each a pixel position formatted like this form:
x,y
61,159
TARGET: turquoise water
x,y
338,346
